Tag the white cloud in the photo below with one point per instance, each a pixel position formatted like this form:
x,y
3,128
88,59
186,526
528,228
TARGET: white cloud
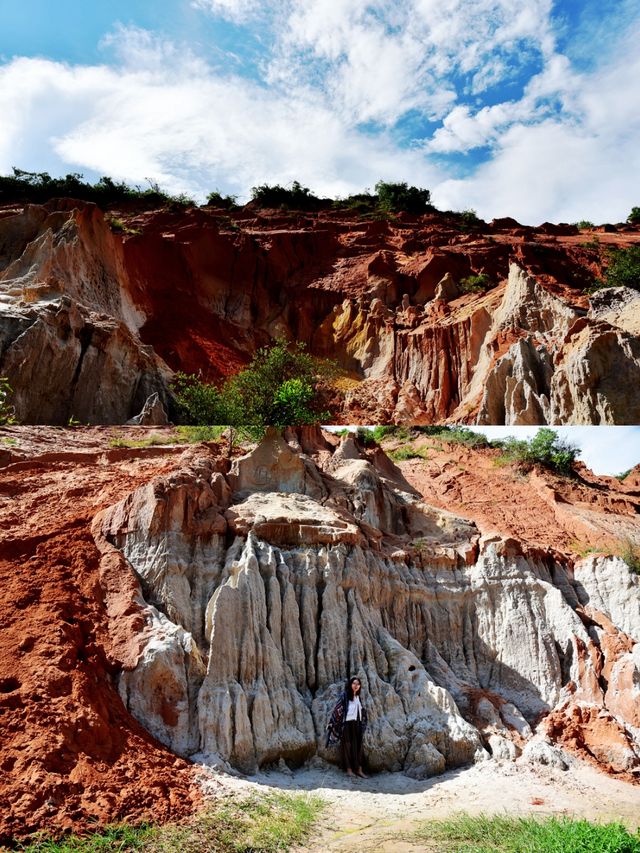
x,y
378,59
565,148
165,115
233,10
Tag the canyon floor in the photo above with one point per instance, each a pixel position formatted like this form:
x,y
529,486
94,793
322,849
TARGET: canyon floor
x,y
381,813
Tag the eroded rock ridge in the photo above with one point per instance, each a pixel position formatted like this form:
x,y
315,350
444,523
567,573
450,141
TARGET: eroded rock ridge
x,y
267,581
93,321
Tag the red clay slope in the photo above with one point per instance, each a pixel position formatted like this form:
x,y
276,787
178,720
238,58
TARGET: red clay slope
x,y
72,756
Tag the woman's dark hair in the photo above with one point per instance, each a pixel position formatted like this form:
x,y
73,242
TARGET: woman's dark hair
x,y
348,687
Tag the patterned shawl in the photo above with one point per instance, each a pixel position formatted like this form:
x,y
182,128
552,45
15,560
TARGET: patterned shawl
x,y
335,726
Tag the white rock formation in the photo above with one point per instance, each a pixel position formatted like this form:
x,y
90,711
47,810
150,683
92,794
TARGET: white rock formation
x,y
264,601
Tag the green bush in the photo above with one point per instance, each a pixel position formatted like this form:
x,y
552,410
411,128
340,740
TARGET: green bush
x,y
476,283
366,436
623,269
545,448
364,202
278,388
199,403
38,187
7,412
403,453
634,217
455,435
469,219
630,552
584,225
395,198
295,197
292,403
380,432
216,199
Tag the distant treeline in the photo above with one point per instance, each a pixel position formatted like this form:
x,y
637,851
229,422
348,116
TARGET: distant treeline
x,y
38,187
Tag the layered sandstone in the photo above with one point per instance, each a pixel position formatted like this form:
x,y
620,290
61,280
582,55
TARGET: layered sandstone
x,y
86,307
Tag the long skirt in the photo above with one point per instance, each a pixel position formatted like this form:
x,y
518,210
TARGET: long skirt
x,y
351,744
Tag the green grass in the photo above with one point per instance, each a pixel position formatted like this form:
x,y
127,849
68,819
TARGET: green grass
x,y
9,441
581,548
120,226
194,434
630,552
467,834
404,452
266,824
150,441
182,435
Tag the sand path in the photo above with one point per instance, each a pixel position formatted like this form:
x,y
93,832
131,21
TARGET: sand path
x,y
380,813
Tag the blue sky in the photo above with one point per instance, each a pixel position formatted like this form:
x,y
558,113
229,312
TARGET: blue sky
x,y
529,109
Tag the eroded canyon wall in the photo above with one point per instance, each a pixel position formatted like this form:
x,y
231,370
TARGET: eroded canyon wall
x,y
96,313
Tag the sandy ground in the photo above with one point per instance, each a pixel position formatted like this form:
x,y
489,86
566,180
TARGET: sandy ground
x,y
379,814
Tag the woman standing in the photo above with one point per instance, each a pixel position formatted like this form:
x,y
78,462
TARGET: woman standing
x,y
347,726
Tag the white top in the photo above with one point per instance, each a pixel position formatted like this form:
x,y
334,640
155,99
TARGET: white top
x,y
354,710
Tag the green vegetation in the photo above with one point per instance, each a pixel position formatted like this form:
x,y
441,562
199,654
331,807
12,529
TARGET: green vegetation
x,y
153,440
582,549
403,453
380,432
38,187
394,198
363,203
584,225
279,388
120,226
593,244
365,436
623,269
455,435
629,551
623,474
275,822
295,197
216,199
469,219
634,217
476,283
500,834
7,411
545,448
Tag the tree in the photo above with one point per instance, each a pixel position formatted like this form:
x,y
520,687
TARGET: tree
x,y
397,197
545,448
634,217
623,269
264,390
7,411
295,197
278,388
216,199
